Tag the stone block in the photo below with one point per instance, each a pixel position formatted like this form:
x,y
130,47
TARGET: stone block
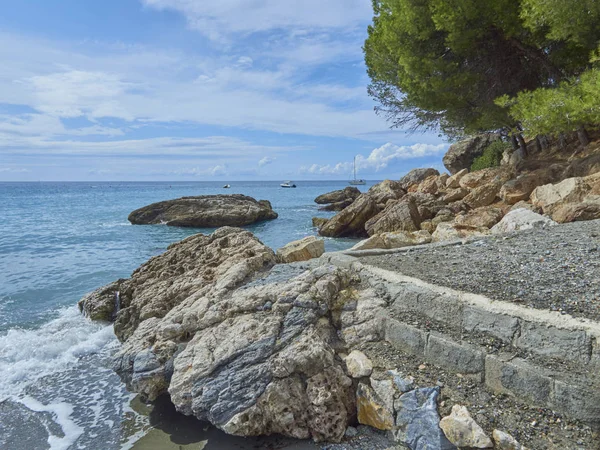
x,y
552,342
577,401
404,337
500,326
458,357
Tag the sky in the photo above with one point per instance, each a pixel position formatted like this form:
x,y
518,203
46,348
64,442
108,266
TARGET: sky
x,y
202,90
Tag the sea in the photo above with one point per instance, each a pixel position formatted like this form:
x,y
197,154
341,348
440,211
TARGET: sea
x,y
59,241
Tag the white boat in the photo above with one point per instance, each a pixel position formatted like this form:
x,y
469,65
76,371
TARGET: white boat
x,y
288,184
227,186
355,181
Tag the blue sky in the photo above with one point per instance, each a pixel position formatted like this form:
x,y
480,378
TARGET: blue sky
x,y
193,90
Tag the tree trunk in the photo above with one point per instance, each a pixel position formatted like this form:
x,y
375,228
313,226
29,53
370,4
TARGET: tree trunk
x,y
514,142
583,136
538,145
522,144
544,142
562,141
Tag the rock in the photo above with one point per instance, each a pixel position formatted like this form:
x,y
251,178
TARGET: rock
x,y
582,167
484,217
415,176
358,364
302,250
428,225
505,441
395,239
385,191
402,215
483,195
351,221
552,196
573,212
337,206
351,432
427,204
521,219
462,154
444,215
402,383
417,420
318,222
205,211
101,304
386,391
460,429
525,205
486,176
371,410
447,232
520,188
442,180
348,193
453,182
248,349
429,185
455,194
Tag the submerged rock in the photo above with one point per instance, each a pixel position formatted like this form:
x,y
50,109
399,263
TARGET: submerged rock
x,y
206,211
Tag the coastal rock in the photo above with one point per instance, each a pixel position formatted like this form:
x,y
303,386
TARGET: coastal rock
x,y
101,304
337,206
462,154
386,190
248,350
429,185
302,250
318,222
428,205
486,176
521,219
520,188
417,420
526,205
583,167
505,441
485,217
371,409
348,193
395,239
552,196
402,215
351,221
415,176
206,211
455,194
460,429
482,195
448,232
573,212
453,182
358,364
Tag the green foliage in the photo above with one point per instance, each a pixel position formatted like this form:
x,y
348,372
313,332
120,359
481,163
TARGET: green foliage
x,y
491,157
441,64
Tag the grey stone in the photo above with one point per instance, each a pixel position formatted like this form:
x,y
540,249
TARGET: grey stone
x,y
417,421
463,357
405,337
403,384
500,326
547,341
518,379
578,401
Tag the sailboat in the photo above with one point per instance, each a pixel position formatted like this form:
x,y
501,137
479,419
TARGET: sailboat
x,y
355,181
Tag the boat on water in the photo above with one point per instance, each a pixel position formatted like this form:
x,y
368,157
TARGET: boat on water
x,y
356,181
227,186
288,184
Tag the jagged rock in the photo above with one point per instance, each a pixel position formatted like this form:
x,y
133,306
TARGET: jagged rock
x,y
359,316
415,176
505,441
395,239
525,205
417,420
101,304
371,410
486,176
482,195
444,215
552,196
427,204
402,383
255,359
521,219
462,154
485,217
442,180
583,167
386,391
428,225
448,232
429,185
351,221
455,194
348,193
453,182
358,364
337,206
318,222
520,188
573,212
398,216
460,429
205,211
385,191
302,250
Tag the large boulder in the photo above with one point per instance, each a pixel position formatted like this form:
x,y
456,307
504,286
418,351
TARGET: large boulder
x,y
462,154
302,250
520,188
485,217
574,212
205,211
482,177
483,195
453,182
446,231
248,349
101,304
351,221
386,190
402,215
521,219
415,176
552,196
337,206
348,193
318,222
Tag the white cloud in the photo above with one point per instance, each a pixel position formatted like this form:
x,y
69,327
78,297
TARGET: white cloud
x,y
245,61
13,170
266,161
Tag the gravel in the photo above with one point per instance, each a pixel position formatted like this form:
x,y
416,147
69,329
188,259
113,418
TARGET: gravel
x,y
557,268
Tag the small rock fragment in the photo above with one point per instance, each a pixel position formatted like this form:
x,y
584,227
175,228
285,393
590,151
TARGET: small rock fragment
x,y
358,364
460,429
505,441
371,410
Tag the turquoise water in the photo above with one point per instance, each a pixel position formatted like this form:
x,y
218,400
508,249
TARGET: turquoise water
x,y
61,240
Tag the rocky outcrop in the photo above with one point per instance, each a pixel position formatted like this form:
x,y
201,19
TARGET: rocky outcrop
x,y
302,250
485,217
386,190
453,182
573,212
349,193
520,188
101,304
462,154
206,211
483,195
318,222
351,221
402,215
415,176
483,177
521,219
